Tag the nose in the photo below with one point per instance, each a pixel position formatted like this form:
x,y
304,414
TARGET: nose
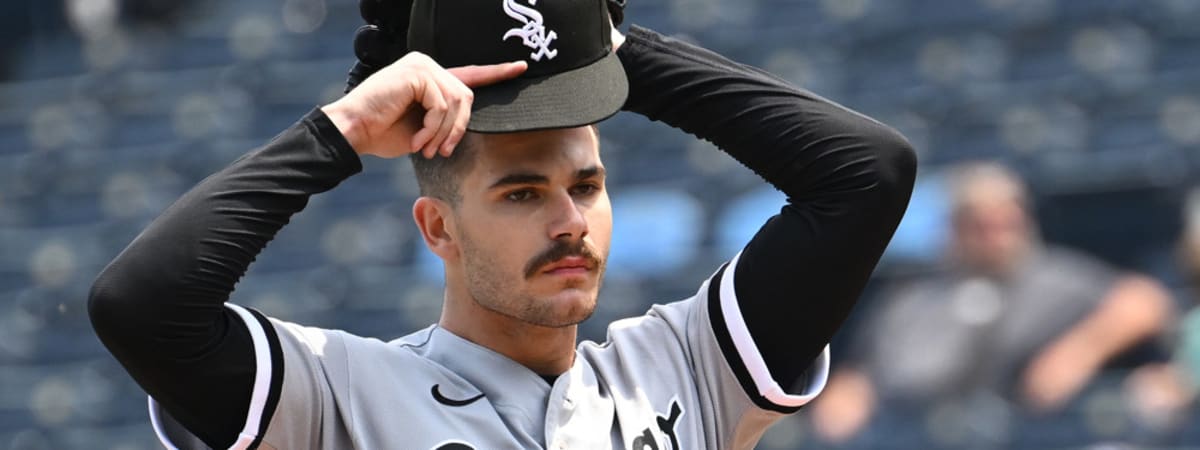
x,y
567,218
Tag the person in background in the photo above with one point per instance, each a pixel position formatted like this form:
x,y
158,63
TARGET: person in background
x,y
1161,394
1009,317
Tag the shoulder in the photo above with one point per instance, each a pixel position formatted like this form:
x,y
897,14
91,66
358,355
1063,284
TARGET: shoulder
x,y
353,368
1055,257
415,340
658,335
923,290
1067,267
316,339
340,348
660,321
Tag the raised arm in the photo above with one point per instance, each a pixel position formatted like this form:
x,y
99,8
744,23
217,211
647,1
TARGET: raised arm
x,y
847,178
159,306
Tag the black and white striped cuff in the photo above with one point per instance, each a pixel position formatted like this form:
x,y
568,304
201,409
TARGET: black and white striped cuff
x,y
268,380
743,356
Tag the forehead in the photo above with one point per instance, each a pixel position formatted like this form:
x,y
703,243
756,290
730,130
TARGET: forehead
x,y
988,196
544,152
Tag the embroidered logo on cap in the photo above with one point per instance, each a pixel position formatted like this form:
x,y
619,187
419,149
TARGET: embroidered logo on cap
x,y
533,34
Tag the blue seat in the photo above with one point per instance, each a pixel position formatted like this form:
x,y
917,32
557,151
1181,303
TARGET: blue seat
x,y
924,232
744,216
13,140
655,232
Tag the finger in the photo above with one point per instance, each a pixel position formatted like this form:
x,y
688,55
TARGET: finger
x,y
476,76
435,106
452,92
459,128
460,117
399,136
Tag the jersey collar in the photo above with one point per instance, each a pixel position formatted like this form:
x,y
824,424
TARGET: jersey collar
x,y
516,392
566,413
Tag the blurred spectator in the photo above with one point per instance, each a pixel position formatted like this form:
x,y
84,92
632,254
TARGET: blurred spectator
x,y
1009,320
1188,349
1161,393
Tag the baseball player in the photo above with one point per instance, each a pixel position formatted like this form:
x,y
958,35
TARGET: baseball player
x,y
494,102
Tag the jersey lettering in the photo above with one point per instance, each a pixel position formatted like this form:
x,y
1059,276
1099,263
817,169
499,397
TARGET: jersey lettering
x,y
666,425
645,441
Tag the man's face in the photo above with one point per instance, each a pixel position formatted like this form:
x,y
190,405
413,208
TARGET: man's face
x,y
534,224
993,234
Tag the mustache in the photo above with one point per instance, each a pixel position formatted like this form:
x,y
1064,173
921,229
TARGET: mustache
x,y
560,250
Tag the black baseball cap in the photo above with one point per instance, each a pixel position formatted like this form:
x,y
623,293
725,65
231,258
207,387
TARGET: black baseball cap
x,y
574,78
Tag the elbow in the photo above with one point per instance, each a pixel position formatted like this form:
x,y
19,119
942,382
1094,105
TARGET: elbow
x,y
111,306
103,306
897,159
895,166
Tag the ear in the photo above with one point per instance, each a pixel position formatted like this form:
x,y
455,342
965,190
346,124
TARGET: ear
x,y
436,223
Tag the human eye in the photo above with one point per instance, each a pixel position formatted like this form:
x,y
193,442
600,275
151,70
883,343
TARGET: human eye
x,y
585,189
520,196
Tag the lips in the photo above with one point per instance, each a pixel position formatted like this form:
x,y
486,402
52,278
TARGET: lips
x,y
565,258
568,265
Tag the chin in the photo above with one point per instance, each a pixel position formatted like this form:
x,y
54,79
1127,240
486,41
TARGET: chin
x,y
569,307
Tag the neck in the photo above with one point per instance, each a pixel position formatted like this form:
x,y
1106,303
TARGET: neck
x,y
544,350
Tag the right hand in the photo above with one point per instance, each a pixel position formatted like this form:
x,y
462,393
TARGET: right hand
x,y
413,105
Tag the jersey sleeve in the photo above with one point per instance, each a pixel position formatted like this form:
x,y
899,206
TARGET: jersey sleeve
x,y
316,364
293,366
703,347
720,315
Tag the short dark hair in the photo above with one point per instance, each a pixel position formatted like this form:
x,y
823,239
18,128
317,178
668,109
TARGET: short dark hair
x,y
439,177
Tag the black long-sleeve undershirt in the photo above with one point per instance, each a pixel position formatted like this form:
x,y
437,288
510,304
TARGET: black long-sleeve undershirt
x,y
848,179
158,305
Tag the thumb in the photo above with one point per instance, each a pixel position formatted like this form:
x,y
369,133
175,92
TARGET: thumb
x,y
476,76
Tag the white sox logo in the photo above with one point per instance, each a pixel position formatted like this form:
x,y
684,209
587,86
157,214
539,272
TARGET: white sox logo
x,y
533,33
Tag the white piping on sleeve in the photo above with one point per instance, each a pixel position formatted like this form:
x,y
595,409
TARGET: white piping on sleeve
x,y
156,422
753,360
258,397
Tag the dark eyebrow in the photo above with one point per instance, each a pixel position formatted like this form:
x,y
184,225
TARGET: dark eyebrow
x,y
589,172
520,178
533,178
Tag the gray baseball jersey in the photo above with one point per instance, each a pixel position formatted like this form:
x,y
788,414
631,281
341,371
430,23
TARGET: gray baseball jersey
x,y
661,381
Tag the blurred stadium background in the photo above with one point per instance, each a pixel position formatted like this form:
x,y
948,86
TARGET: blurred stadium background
x,y
110,109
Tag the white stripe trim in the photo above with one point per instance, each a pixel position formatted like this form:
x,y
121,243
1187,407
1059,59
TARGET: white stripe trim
x,y
258,398
753,360
262,377
156,422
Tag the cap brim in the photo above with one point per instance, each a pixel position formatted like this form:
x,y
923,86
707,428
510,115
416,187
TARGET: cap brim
x,y
573,98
